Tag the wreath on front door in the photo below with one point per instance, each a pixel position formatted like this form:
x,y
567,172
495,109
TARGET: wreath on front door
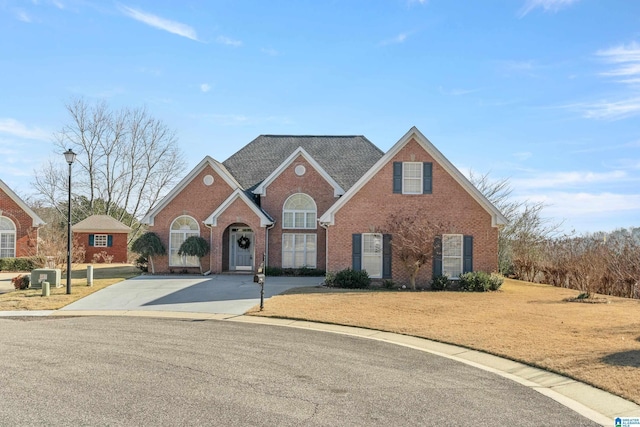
x,y
244,242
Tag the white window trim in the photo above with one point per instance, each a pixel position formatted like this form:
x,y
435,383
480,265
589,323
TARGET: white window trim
x,y
187,261
421,178
103,237
302,212
293,251
373,255
461,256
9,233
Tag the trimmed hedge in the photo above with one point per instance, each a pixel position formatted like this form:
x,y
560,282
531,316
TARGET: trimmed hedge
x,y
293,272
440,283
479,281
20,264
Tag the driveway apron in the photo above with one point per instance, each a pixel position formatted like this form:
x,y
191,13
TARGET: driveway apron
x,y
228,294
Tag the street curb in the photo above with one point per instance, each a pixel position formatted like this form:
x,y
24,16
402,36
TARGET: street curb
x,y
595,404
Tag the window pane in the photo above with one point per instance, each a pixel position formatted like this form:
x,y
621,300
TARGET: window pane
x,y
288,220
372,254
299,220
6,224
298,250
412,177
452,245
311,220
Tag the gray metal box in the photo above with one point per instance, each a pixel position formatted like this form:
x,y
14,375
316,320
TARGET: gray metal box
x,y
51,275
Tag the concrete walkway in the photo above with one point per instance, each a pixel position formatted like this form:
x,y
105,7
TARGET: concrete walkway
x,y
226,298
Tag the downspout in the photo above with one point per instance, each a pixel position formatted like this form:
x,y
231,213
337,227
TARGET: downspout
x,y
326,245
266,243
208,272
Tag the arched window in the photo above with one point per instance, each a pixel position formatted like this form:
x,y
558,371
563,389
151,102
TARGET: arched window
x,y
181,228
7,238
299,212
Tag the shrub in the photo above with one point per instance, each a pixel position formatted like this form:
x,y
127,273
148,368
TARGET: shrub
x,y
388,284
21,281
479,281
142,263
352,279
273,271
20,264
329,279
440,283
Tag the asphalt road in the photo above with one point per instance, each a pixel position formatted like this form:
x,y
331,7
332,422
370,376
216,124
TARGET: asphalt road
x,y
142,371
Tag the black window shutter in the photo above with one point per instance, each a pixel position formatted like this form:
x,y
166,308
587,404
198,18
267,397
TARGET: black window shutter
x,y
356,251
91,239
386,256
467,254
427,172
109,240
437,256
397,177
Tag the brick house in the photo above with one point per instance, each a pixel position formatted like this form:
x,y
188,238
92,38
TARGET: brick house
x,y
102,237
18,225
317,201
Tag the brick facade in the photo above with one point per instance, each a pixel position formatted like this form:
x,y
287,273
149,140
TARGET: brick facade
x,y
26,233
286,184
370,207
118,250
364,208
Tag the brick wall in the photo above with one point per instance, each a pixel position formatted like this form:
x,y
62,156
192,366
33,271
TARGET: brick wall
x,y
26,235
285,185
369,209
118,249
198,201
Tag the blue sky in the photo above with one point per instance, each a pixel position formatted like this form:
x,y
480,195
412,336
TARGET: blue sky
x,y
543,92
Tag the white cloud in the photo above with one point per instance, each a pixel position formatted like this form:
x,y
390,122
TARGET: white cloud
x,y
421,2
23,16
524,155
15,128
627,60
400,38
546,5
568,205
270,51
161,23
567,179
204,87
228,41
608,110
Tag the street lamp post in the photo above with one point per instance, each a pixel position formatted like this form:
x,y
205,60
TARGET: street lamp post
x,y
69,156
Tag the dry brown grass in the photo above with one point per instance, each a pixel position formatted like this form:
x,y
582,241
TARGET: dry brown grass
x,y
103,276
594,343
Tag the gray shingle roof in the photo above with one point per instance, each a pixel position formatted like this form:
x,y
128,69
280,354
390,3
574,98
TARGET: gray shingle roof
x,y
99,223
345,158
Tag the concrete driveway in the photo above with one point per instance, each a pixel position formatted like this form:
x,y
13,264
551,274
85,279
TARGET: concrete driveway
x,y
228,294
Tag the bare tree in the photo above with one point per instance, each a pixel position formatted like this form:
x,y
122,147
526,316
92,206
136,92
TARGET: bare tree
x,y
127,161
521,241
412,241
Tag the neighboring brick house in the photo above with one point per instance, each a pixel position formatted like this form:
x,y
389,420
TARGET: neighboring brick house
x,y
18,225
318,201
104,238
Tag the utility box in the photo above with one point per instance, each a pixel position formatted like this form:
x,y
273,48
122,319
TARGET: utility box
x,y
51,275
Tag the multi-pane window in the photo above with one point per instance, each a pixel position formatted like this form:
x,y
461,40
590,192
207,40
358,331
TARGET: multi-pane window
x,y
298,250
181,228
412,178
372,254
299,212
7,238
100,240
452,255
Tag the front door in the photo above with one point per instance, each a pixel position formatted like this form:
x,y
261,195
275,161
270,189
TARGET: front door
x,y
241,249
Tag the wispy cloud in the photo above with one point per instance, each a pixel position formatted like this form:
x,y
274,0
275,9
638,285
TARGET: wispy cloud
x,y
523,155
400,38
23,16
228,41
627,61
572,205
571,179
546,5
204,87
270,51
420,2
607,109
15,128
161,23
